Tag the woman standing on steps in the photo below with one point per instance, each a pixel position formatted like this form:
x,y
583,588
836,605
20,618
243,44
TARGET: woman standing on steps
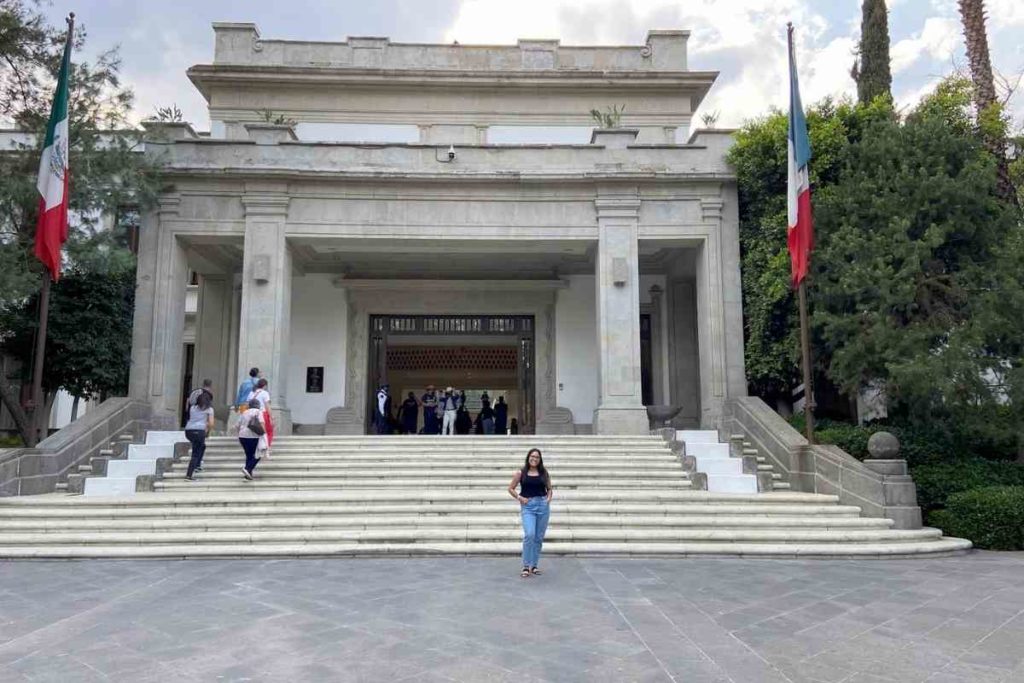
x,y
200,422
534,496
262,395
252,430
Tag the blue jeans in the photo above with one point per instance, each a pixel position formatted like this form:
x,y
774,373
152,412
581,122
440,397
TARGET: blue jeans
x,y
535,524
197,437
249,446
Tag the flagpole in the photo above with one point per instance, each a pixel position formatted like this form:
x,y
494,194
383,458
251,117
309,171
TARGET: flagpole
x,y
805,334
805,353
39,426
38,403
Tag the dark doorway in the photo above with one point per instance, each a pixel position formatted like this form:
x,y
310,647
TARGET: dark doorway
x,y
646,363
478,353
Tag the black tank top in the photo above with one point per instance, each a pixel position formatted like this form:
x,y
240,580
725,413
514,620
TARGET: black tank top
x,y
531,486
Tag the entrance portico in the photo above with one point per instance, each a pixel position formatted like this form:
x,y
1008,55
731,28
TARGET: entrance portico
x,y
298,245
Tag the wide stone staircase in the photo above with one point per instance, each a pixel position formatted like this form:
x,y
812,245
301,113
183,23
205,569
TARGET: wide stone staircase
x,y
416,495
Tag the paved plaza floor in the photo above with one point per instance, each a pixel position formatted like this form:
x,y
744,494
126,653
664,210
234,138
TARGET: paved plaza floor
x,y
458,619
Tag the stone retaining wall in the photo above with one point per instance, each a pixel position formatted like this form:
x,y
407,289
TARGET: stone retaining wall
x,y
881,488
27,471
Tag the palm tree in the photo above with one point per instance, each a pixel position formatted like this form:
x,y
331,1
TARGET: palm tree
x,y
972,15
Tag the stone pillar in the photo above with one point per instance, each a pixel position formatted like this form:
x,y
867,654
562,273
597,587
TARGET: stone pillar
x,y
659,392
213,332
159,321
620,405
684,366
719,308
265,318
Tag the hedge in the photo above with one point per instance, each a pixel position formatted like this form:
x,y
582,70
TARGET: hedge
x,y
919,444
938,481
991,517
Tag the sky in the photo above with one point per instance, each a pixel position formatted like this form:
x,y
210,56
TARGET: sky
x,y
742,39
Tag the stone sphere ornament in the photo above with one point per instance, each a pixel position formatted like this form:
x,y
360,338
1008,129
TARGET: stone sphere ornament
x,y
883,446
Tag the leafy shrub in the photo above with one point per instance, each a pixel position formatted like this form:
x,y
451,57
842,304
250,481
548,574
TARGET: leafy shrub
x,y
990,517
936,482
940,441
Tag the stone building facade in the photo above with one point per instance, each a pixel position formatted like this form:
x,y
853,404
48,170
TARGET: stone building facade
x,y
583,281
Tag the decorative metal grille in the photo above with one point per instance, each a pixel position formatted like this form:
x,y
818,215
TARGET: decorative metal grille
x,y
453,358
453,324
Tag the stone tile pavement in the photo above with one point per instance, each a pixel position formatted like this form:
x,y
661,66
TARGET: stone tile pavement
x,y
461,619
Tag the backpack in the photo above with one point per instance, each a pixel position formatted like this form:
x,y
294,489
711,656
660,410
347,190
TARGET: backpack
x,y
255,426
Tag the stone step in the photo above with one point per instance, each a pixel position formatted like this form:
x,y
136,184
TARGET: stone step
x,y
731,483
708,450
418,535
817,502
158,438
109,486
149,451
511,548
177,482
130,468
425,474
581,466
412,451
709,466
506,518
692,436
418,460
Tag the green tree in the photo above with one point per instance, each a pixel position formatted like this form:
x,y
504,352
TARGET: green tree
x,y
88,347
769,307
872,73
918,283
107,171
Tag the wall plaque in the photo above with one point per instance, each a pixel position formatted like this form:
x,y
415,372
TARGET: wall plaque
x,y
315,380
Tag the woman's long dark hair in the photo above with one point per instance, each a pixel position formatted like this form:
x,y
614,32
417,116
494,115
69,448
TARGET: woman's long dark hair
x,y
540,467
203,401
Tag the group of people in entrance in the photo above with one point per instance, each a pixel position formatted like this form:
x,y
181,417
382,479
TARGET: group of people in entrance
x,y
443,413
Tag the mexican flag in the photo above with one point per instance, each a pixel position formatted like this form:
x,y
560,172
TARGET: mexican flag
x,y
800,235
52,229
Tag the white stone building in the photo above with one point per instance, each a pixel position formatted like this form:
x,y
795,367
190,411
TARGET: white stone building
x,y
581,281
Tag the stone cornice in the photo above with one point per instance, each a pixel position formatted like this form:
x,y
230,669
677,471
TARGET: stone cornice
x,y
449,285
265,204
248,172
624,205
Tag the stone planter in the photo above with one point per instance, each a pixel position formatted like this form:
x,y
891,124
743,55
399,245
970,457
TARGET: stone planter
x,y
614,138
660,416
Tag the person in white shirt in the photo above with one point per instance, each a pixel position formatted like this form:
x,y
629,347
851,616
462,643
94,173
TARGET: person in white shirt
x,y
262,395
450,406
200,422
252,433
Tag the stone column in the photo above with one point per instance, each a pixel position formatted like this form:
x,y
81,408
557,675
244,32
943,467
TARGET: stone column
x,y
620,405
265,319
213,332
659,393
159,322
719,309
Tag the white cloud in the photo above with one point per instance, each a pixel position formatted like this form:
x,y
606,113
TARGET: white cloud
x,y
936,40
745,39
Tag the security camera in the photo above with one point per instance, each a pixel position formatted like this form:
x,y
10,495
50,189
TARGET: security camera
x,y
451,152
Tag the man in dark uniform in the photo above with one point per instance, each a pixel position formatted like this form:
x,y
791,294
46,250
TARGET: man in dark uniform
x,y
429,401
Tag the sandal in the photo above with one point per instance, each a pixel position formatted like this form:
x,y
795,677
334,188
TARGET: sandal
x,y
535,571
525,573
